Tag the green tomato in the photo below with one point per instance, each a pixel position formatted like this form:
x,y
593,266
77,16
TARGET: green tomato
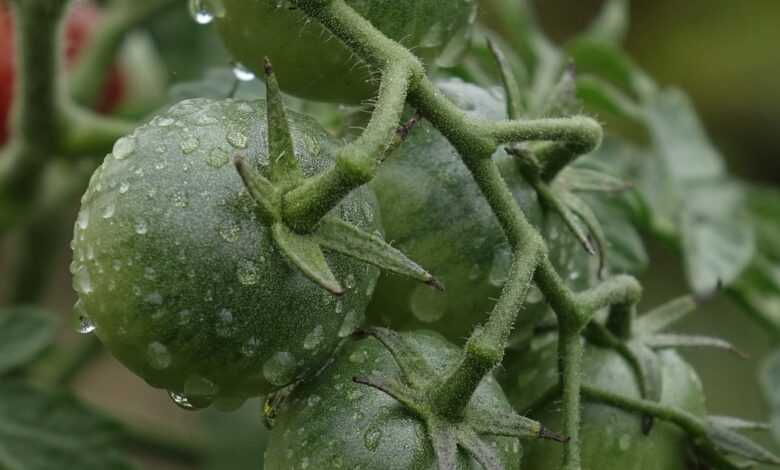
x,y
612,438
332,422
180,278
311,64
434,212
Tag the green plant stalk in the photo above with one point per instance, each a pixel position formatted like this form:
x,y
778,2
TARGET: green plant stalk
x,y
35,130
91,71
476,140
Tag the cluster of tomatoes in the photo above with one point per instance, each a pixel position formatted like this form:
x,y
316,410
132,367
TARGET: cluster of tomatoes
x,y
180,279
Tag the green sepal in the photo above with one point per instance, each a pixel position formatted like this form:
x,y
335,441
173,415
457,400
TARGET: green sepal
x,y
596,234
266,197
663,341
336,235
479,450
738,424
306,255
514,97
414,370
283,169
553,200
513,425
730,442
664,316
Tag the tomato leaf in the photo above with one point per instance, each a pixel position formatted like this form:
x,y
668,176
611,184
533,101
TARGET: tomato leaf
x,y
665,341
25,332
739,445
41,430
611,24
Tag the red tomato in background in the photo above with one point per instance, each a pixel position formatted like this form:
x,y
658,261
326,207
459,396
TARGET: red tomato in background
x,y
80,24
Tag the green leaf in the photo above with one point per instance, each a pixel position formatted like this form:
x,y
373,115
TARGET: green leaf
x,y
679,138
342,237
305,254
25,332
266,197
511,85
42,430
663,316
718,239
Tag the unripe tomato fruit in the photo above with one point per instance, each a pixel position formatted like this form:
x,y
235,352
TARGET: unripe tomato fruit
x,y
80,24
179,277
611,438
311,64
433,210
331,422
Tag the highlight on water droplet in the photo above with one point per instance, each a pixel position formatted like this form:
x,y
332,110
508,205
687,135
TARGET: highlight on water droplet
x,y
242,73
201,12
181,401
85,325
124,147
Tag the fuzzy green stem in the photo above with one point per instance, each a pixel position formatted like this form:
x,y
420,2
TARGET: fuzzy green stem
x,y
570,351
35,129
356,162
476,140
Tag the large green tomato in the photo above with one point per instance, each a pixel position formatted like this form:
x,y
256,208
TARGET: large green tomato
x,y
612,439
183,282
330,422
434,212
310,63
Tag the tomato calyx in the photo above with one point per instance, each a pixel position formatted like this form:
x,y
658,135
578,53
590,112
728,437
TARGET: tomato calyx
x,y
416,390
304,250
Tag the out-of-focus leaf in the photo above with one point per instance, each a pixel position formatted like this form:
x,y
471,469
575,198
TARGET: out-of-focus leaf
x,y
237,440
610,63
736,444
611,24
25,332
42,430
769,377
758,291
731,422
663,316
718,240
679,138
602,96
665,341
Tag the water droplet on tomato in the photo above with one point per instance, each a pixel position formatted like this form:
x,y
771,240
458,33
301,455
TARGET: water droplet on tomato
x,y
371,438
242,73
237,139
314,338
280,369
189,145
200,10
141,228
124,147
247,273
427,304
158,355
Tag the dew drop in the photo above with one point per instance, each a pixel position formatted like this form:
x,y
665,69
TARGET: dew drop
x,y
625,442
200,11
428,305
189,145
313,400
180,199
229,232
225,323
165,121
218,158
357,357
124,147
352,321
158,355
280,369
141,228
314,338
371,438
242,73
237,139
350,281
502,262
83,219
250,347
124,187
82,281
534,295
247,273
85,325
200,387
181,401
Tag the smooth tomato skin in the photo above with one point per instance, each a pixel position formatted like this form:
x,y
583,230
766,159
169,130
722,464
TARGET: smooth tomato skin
x,y
311,64
434,212
330,422
612,439
182,281
80,24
